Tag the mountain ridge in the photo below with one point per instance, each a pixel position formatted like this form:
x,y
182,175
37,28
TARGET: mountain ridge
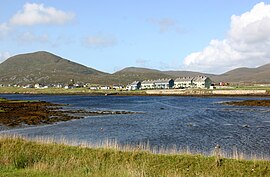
x,y
48,68
43,67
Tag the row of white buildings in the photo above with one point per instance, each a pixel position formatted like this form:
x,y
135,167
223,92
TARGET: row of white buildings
x,y
179,83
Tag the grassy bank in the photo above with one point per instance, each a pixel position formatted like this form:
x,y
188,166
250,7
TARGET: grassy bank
x,y
170,92
74,91
20,157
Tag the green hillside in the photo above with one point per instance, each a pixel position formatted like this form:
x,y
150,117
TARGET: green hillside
x,y
44,67
47,68
131,74
259,75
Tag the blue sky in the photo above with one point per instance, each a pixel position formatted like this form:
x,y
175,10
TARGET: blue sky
x,y
204,35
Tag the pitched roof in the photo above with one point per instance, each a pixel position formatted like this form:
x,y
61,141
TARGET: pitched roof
x,y
135,83
148,82
162,81
199,78
183,79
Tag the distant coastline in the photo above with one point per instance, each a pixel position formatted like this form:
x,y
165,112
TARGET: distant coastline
x,y
161,92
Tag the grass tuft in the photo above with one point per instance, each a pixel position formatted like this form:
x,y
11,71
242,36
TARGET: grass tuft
x,y
43,157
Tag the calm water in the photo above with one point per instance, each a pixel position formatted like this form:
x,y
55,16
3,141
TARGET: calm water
x,y
195,122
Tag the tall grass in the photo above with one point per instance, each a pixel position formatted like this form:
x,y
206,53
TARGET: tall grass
x,y
44,157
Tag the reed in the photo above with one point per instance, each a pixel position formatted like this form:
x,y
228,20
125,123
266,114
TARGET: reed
x,y
41,156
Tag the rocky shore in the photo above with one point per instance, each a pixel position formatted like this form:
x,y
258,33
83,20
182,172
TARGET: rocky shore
x,y
20,113
264,103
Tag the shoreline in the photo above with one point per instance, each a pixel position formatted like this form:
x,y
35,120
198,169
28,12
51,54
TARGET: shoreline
x,y
235,91
152,93
25,113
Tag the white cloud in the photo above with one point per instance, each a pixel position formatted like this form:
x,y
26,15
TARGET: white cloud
x,y
62,40
35,14
28,38
166,24
4,30
4,56
142,62
99,41
247,44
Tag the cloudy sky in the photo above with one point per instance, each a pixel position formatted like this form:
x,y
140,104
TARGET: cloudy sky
x,y
204,35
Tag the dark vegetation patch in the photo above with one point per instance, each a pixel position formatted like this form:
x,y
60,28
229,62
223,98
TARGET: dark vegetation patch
x,y
265,103
16,112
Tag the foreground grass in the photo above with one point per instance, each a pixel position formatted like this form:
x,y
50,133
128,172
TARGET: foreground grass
x,y
20,157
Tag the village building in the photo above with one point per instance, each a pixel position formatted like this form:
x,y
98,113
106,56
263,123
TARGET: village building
x,y
59,85
69,87
148,84
94,87
164,83
134,85
183,82
38,85
28,86
104,87
117,87
78,85
157,84
202,82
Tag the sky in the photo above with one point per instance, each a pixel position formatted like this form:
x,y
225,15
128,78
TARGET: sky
x,y
204,35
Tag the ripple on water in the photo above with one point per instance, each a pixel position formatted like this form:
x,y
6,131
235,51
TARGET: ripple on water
x,y
192,122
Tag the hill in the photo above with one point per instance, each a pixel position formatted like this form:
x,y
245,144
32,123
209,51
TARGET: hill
x,y
259,75
47,68
187,73
131,74
44,67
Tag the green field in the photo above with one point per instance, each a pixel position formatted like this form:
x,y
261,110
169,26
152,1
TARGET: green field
x,y
87,91
20,157
17,90
247,88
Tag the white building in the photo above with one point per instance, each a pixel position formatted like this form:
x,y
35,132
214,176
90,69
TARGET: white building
x,y
148,84
164,83
134,85
105,87
183,82
202,82
94,87
37,86
69,87
117,87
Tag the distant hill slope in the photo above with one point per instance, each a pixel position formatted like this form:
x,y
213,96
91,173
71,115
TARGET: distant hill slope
x,y
187,73
44,67
259,75
131,74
